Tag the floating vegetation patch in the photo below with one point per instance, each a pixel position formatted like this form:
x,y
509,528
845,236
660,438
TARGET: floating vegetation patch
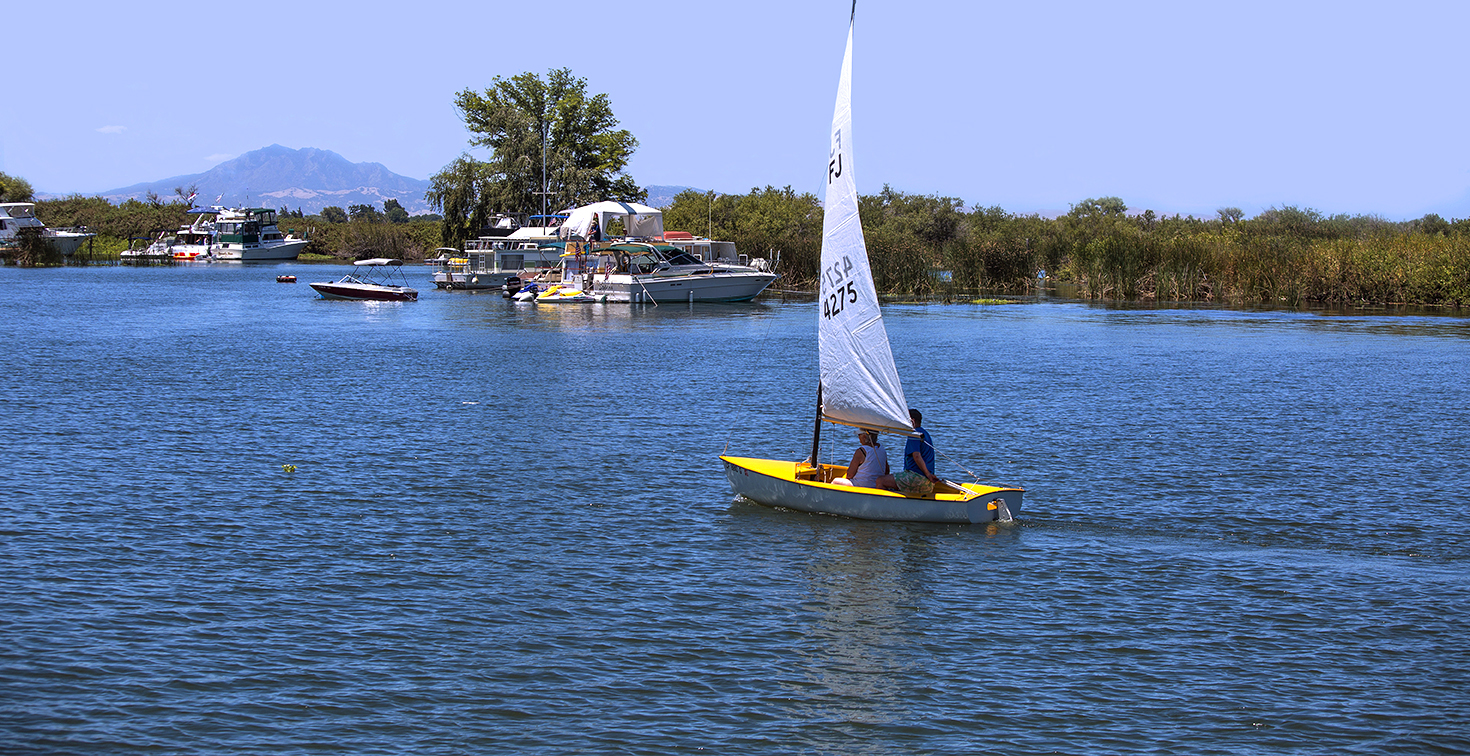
x,y
995,301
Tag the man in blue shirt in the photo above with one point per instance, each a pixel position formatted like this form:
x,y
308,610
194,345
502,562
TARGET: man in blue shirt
x,y
917,477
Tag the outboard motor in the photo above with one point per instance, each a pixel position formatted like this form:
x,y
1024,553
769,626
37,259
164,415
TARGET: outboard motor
x,y
511,287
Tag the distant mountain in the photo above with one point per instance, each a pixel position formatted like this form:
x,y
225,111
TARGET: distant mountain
x,y
276,176
663,196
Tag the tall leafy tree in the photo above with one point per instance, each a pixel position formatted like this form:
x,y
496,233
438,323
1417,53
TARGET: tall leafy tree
x,y
15,189
518,118
394,211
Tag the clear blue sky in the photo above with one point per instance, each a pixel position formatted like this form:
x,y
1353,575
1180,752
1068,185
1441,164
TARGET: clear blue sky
x,y
1345,107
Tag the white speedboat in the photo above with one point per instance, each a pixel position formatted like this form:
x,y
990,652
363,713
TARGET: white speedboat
x,y
655,273
248,234
195,242
191,243
859,383
149,249
15,216
370,280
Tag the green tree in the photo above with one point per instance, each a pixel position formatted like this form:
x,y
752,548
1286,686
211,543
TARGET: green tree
x,y
462,191
364,214
1433,224
15,189
334,214
525,120
394,212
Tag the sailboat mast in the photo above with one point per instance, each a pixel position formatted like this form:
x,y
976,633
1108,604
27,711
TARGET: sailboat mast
x,y
817,431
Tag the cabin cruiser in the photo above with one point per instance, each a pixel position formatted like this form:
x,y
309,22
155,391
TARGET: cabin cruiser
x,y
370,280
645,264
651,272
15,216
250,233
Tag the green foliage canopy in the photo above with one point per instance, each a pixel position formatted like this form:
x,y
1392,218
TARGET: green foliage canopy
x,y
15,189
524,120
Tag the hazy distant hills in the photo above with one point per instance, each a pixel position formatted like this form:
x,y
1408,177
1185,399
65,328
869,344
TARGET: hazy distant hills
x,y
276,176
309,179
663,196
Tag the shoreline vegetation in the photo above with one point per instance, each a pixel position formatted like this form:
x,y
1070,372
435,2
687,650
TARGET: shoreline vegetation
x,y
926,246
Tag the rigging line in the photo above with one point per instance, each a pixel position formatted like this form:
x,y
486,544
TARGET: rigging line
x,y
952,461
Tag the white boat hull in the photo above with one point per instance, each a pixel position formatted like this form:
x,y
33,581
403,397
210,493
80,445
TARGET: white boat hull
x,y
775,484
286,250
66,243
360,292
717,287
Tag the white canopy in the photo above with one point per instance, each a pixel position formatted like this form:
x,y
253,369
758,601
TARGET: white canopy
x,y
638,220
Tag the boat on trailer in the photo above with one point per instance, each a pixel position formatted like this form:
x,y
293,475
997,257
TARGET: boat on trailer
x,y
859,383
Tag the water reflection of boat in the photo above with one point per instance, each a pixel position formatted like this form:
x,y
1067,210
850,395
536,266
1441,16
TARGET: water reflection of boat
x,y
859,384
370,280
16,216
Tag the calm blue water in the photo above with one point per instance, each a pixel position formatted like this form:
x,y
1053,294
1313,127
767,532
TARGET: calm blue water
x,y
508,532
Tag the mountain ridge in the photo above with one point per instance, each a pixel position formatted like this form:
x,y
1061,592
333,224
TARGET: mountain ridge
x,y
307,179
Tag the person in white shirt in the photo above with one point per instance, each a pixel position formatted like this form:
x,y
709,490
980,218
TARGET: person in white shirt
x,y
869,462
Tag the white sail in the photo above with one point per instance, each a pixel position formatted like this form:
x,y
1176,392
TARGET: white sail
x,y
860,384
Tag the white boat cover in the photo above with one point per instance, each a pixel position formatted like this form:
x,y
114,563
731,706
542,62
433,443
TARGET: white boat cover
x,y
638,220
860,383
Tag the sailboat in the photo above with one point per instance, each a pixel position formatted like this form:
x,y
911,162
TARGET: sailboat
x,y
859,382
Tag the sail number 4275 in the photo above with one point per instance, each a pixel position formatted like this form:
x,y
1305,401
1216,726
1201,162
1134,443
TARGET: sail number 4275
x,y
841,295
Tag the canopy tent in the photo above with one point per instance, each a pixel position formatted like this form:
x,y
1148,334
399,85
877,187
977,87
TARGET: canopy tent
x,y
638,220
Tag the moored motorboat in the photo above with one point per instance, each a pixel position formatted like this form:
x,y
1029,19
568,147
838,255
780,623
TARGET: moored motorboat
x,y
248,234
15,217
646,264
507,247
285,279
370,280
195,242
859,384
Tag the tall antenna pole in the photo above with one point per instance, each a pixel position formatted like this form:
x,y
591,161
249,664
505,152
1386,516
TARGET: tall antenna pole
x,y
544,184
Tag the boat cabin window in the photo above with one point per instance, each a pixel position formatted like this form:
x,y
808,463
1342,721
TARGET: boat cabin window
x,y
683,258
512,262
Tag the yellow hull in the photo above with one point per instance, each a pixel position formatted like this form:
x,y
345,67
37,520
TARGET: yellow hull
x,y
776,483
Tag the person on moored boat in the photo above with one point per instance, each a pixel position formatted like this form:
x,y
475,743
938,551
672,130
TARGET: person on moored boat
x,y
869,462
594,232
